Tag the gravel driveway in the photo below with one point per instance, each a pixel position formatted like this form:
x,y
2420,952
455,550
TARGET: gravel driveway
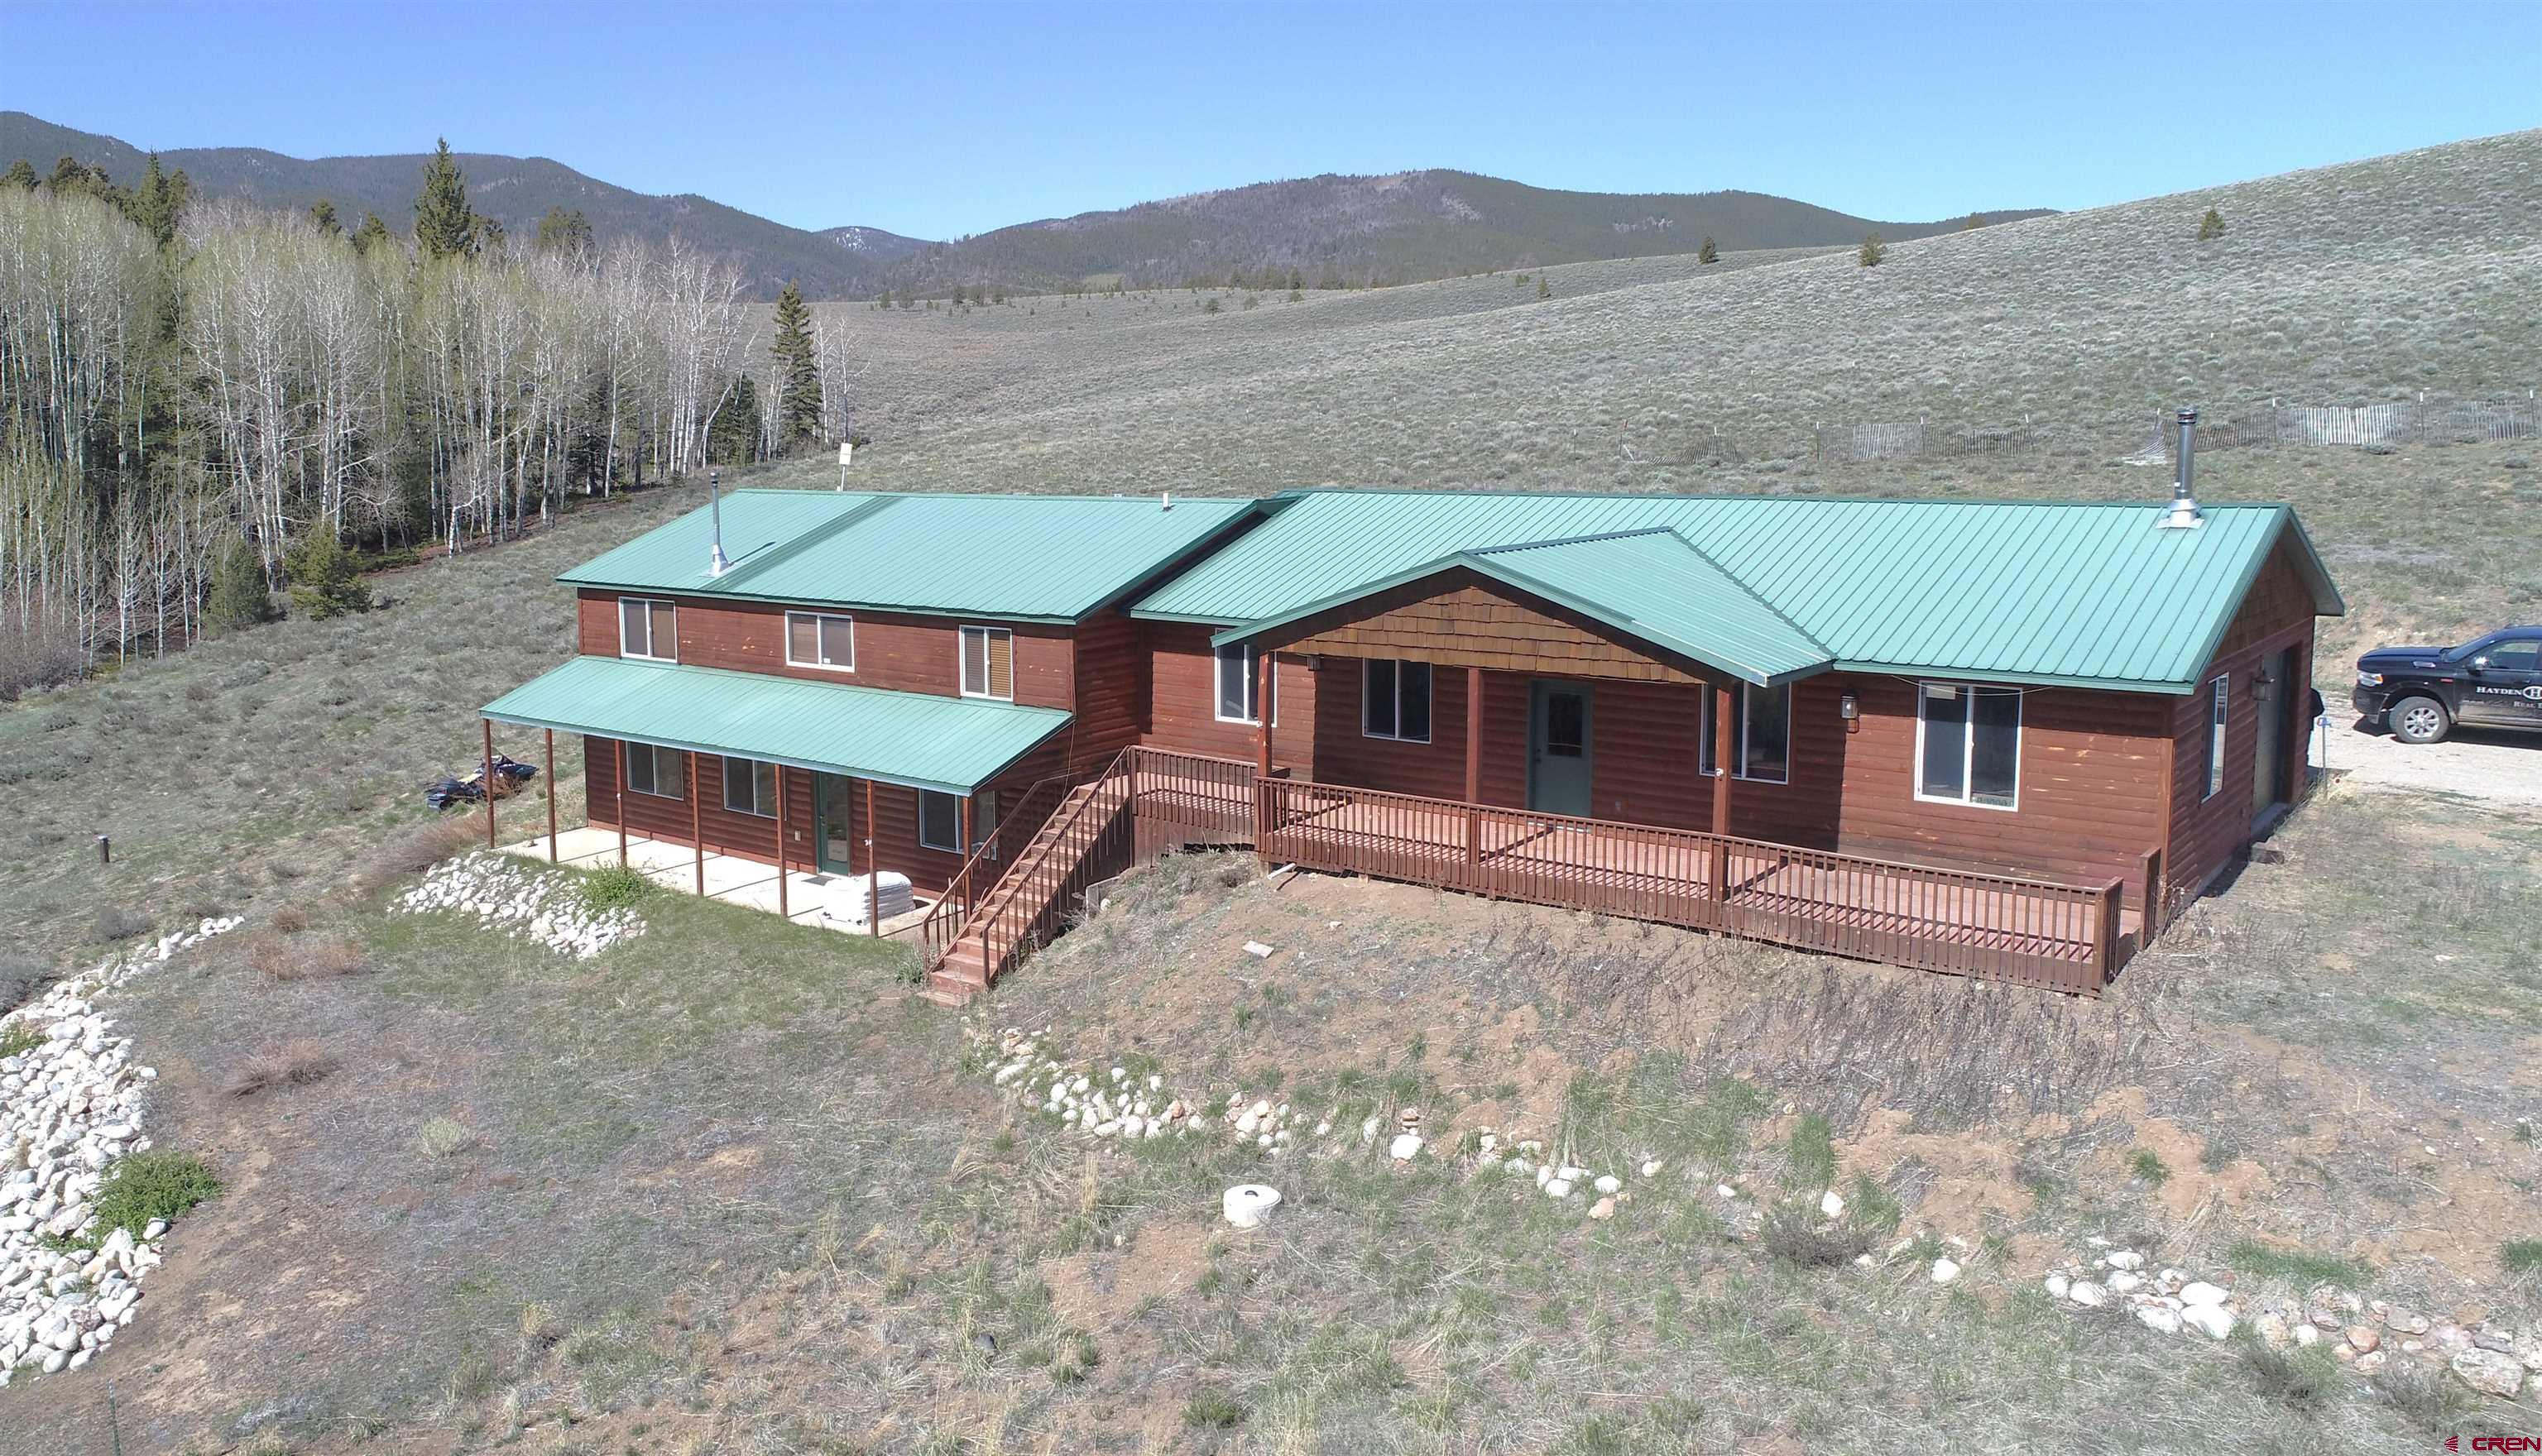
x,y
2478,763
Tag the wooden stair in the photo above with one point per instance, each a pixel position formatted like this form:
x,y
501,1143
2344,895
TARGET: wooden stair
x,y
1036,877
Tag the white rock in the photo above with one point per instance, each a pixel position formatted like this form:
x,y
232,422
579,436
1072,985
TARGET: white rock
x,y
2158,1317
2058,1284
2213,1321
2087,1294
1607,1183
2127,1259
2199,1293
1257,949
2307,1334
1405,1147
1557,1188
1831,1203
1945,1271
1652,1167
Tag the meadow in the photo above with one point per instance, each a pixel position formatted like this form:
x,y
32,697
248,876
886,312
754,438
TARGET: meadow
x,y
728,1186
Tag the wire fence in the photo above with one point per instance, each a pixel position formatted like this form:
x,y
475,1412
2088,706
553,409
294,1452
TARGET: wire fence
x,y
2219,427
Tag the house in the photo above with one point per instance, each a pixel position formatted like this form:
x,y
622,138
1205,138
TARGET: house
x,y
1992,737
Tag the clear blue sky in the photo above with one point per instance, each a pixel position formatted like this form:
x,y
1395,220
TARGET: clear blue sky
x,y
943,120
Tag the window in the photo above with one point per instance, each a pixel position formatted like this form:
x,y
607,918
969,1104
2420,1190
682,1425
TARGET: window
x,y
1967,744
659,771
818,639
988,663
2216,736
939,821
1763,751
2521,656
648,628
1394,700
1238,681
750,787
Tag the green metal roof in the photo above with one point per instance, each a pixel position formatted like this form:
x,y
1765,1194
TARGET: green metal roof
x,y
2085,595
1649,584
1017,557
949,744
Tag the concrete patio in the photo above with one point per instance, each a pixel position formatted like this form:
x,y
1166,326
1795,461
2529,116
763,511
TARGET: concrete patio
x,y
728,878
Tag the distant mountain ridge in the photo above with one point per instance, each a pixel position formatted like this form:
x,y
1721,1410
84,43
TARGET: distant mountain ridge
x,y
1401,227
1396,228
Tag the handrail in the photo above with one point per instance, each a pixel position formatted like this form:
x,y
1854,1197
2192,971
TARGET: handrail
x,y
944,918
1004,926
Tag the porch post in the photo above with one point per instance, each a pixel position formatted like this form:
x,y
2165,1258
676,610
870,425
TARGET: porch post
x,y
873,869
1263,707
781,842
965,807
697,823
552,844
1473,764
619,746
489,780
1724,706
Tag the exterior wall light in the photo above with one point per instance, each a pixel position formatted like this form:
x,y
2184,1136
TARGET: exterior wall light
x,y
1849,709
2262,686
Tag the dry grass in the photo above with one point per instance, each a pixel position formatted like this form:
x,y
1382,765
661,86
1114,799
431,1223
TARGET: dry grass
x,y
297,1063
277,959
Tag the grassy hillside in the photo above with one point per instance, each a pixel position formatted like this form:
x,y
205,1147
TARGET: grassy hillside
x,y
2055,343
1404,227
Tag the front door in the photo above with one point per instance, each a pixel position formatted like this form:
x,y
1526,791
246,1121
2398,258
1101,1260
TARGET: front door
x,y
833,806
2505,690
1557,749
2268,763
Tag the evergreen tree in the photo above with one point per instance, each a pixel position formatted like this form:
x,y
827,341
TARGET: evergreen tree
x,y
1543,286
240,597
732,433
799,394
444,226
324,581
1873,251
373,233
323,214
565,232
1975,222
21,176
158,205
1708,253
2211,226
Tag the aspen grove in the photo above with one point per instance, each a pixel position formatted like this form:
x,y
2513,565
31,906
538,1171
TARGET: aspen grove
x,y
249,379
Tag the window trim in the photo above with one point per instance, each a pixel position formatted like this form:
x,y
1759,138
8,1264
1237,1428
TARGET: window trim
x,y
820,618
653,752
1969,745
752,779
1252,684
649,604
2219,721
1742,775
962,661
922,841
1367,667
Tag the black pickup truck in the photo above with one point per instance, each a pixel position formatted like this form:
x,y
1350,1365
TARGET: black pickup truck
x,y
2422,693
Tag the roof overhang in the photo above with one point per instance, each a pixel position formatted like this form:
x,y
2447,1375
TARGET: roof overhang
x,y
949,745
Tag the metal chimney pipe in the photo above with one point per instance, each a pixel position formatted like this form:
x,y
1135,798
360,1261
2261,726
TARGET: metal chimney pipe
x,y
2184,512
717,565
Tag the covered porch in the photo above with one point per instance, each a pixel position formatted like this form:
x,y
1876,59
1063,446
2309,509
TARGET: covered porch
x,y
797,771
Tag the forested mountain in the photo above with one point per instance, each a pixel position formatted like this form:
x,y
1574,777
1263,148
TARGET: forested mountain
x,y
1353,230
1396,229
515,191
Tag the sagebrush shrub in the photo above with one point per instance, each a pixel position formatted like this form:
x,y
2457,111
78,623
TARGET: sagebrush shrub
x,y
615,887
146,1186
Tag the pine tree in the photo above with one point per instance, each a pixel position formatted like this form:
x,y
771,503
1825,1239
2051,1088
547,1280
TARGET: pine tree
x,y
1708,253
444,226
324,581
799,394
2211,226
1975,222
1544,287
22,174
239,595
158,205
323,214
1873,251
564,232
373,233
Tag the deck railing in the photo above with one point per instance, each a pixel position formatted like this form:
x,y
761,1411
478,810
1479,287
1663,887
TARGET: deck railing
x,y
2027,931
987,862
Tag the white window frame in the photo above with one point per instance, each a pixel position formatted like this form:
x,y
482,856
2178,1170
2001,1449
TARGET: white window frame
x,y
1253,684
818,618
962,661
653,765
752,779
1367,669
648,655
1969,745
2220,719
924,843
1704,731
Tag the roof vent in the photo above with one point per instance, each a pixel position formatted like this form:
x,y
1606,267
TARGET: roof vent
x,y
2184,512
1166,500
716,565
